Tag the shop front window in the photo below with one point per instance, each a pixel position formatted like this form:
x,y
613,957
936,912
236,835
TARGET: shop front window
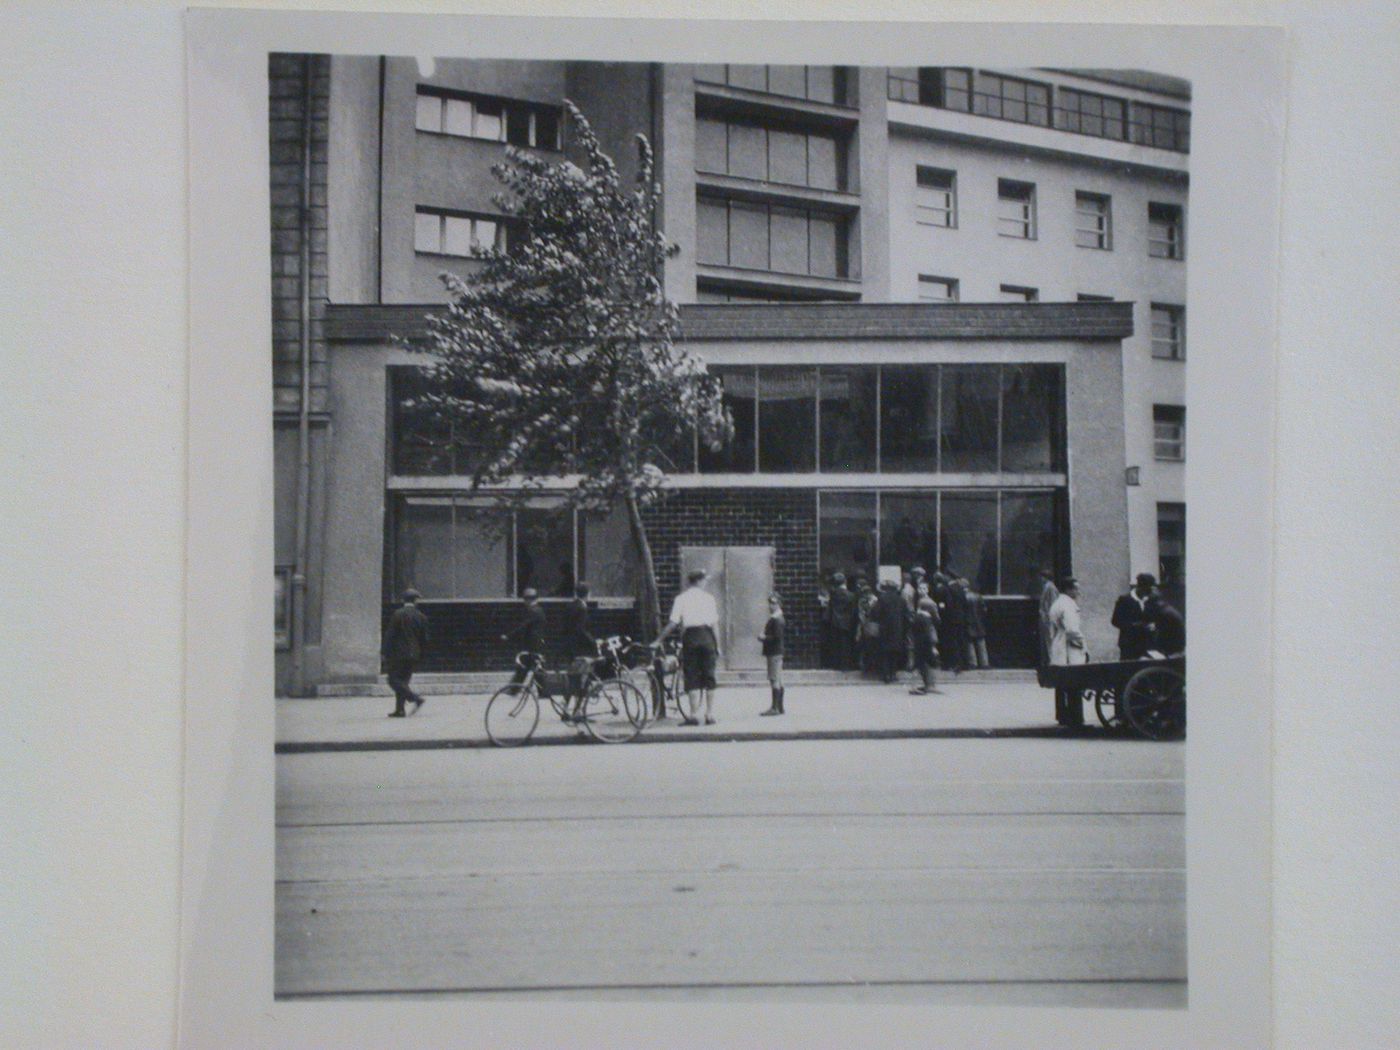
x,y
847,534
968,537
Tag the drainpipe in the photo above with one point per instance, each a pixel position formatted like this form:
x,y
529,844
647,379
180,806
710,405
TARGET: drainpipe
x,y
299,683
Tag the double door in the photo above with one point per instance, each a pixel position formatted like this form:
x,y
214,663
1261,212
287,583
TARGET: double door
x,y
741,579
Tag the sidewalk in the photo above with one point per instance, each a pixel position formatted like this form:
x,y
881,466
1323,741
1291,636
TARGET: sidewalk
x,y
871,710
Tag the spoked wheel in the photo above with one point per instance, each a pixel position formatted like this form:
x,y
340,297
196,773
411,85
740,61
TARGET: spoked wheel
x,y
1154,701
641,679
1106,707
512,715
614,711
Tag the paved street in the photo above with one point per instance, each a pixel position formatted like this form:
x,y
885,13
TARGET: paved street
x,y
906,870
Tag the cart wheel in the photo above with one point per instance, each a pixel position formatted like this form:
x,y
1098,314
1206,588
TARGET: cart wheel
x,y
1106,707
1154,701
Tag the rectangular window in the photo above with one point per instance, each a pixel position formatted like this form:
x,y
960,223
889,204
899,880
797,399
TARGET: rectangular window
x,y
937,289
1161,127
788,80
848,531
968,537
787,420
1029,539
941,86
1089,114
1169,432
1092,217
1164,231
711,145
740,390
1032,418
849,398
909,529
1016,209
1014,99
750,151
483,117
1168,332
1015,293
967,423
936,200
438,232
908,419
1171,542
772,238
544,544
817,83
606,558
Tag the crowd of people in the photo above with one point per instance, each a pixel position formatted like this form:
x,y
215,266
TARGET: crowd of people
x,y
920,623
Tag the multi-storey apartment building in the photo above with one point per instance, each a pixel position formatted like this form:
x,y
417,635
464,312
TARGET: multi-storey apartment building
x,y
815,209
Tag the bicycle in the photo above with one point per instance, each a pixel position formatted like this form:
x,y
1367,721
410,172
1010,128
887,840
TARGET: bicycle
x,y
612,712
659,667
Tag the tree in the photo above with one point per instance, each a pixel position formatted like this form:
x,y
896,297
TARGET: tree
x,y
556,358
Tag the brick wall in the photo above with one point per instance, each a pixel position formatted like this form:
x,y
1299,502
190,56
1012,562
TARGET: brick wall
x,y
287,76
783,519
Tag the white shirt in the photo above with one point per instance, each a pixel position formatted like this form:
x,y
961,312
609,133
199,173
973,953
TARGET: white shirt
x,y
695,607
1066,637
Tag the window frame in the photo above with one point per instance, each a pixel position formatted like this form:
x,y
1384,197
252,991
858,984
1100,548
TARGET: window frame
x,y
1173,245
1175,342
1007,194
1169,446
841,222
477,102
1072,118
950,284
1023,293
928,214
500,242
1167,122
984,100
1100,229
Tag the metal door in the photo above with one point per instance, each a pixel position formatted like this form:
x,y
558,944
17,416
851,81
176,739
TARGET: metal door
x,y
740,578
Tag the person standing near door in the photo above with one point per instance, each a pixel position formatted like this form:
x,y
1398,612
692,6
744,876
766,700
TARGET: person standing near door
x,y
404,643
772,639
695,614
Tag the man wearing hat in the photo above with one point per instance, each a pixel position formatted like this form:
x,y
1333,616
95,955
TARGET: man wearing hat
x,y
528,634
1132,618
404,643
843,613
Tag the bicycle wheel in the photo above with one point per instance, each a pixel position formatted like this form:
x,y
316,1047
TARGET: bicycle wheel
x,y
614,711
512,714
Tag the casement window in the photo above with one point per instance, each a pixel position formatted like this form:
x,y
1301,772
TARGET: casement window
x,y
1092,221
1168,332
1165,234
1087,113
1011,98
772,154
937,289
1169,432
1016,293
772,238
815,83
1161,126
1016,209
440,232
484,117
936,197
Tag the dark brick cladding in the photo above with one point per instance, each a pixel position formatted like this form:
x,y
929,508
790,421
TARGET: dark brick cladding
x,y
785,519
287,78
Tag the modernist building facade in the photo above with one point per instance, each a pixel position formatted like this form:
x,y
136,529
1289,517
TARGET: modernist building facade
x,y
872,428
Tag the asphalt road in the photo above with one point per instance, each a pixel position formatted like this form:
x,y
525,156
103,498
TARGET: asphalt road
x,y
989,871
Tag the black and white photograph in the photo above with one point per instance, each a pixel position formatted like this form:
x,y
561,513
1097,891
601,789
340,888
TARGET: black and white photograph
x,y
730,530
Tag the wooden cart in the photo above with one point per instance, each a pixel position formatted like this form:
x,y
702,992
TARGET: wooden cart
x,y
1147,696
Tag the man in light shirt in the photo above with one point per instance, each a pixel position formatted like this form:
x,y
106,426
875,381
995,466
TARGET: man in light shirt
x,y
695,615
1067,648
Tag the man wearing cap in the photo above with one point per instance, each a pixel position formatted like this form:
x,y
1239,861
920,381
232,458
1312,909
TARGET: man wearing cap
x,y
1067,647
843,615
1131,617
404,642
528,634
695,615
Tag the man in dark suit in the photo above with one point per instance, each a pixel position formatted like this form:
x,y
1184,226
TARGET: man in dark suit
x,y
404,643
1170,636
1130,616
843,613
893,617
528,634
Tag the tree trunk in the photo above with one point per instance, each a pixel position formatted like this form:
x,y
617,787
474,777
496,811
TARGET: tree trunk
x,y
649,612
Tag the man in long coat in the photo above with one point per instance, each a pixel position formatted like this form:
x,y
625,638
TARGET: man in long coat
x,y
404,642
893,617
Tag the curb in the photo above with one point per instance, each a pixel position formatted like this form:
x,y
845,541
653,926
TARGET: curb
x,y
463,743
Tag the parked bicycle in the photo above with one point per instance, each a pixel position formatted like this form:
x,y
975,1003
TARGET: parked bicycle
x,y
613,710
655,670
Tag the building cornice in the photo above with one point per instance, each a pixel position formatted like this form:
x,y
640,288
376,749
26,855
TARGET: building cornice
x,y
728,322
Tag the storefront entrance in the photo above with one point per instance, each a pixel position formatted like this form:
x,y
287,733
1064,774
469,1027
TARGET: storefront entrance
x,y
741,579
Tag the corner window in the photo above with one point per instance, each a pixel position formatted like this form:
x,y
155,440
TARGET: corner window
x,y
1016,209
1161,127
1168,332
936,200
1169,432
1164,231
1092,221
